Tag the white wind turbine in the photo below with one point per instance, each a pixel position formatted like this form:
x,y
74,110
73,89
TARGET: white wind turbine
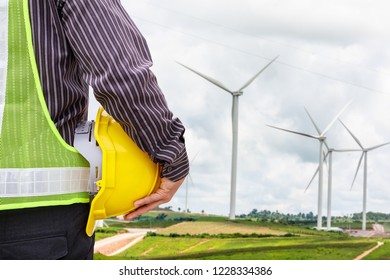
x,y
364,155
235,94
321,137
329,155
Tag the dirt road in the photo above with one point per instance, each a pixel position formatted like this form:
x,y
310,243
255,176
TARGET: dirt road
x,y
118,243
361,256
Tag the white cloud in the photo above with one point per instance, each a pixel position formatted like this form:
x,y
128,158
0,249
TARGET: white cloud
x,y
330,52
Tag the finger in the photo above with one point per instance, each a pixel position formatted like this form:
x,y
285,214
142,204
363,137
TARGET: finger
x,y
164,194
139,211
147,200
132,215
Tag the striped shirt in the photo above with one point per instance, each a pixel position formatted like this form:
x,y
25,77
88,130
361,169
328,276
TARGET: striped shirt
x,y
93,43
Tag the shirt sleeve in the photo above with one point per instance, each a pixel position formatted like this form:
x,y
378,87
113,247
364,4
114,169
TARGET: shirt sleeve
x,y
115,61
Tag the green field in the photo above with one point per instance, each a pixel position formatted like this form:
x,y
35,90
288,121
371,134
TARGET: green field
x,y
245,249
219,239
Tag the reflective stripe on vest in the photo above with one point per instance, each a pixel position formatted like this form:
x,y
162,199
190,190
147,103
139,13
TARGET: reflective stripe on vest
x,y
37,167
44,181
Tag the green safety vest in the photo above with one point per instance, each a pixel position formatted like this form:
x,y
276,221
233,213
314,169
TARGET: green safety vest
x,y
37,167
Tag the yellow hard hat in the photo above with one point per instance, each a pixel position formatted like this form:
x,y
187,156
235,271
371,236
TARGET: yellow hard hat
x,y
127,172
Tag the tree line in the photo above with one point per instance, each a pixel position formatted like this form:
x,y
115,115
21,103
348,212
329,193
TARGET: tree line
x,y
267,215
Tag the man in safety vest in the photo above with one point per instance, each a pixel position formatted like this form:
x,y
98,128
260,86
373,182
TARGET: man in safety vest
x,y
51,51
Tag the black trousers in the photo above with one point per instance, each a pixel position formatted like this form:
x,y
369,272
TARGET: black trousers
x,y
46,233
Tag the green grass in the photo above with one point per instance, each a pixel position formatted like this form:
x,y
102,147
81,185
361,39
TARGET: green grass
x,y
382,253
301,242
292,252
273,248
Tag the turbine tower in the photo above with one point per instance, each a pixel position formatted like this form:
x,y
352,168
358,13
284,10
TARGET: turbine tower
x,y
235,94
321,137
364,155
186,201
329,155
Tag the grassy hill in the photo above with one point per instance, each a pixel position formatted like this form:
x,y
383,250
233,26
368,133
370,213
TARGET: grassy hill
x,y
190,236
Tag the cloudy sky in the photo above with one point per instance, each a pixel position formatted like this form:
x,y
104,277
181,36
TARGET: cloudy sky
x,y
330,52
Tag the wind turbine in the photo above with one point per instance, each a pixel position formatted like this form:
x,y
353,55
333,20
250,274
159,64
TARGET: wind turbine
x,y
235,94
321,137
364,155
329,154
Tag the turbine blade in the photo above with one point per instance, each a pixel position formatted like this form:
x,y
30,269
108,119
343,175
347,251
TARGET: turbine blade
x,y
313,122
190,177
211,80
312,178
335,118
377,146
357,170
325,156
346,150
353,136
295,132
193,159
316,127
255,76
326,145
315,173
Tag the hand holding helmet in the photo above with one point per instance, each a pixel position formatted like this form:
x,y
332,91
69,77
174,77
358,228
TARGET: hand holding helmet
x,y
162,195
